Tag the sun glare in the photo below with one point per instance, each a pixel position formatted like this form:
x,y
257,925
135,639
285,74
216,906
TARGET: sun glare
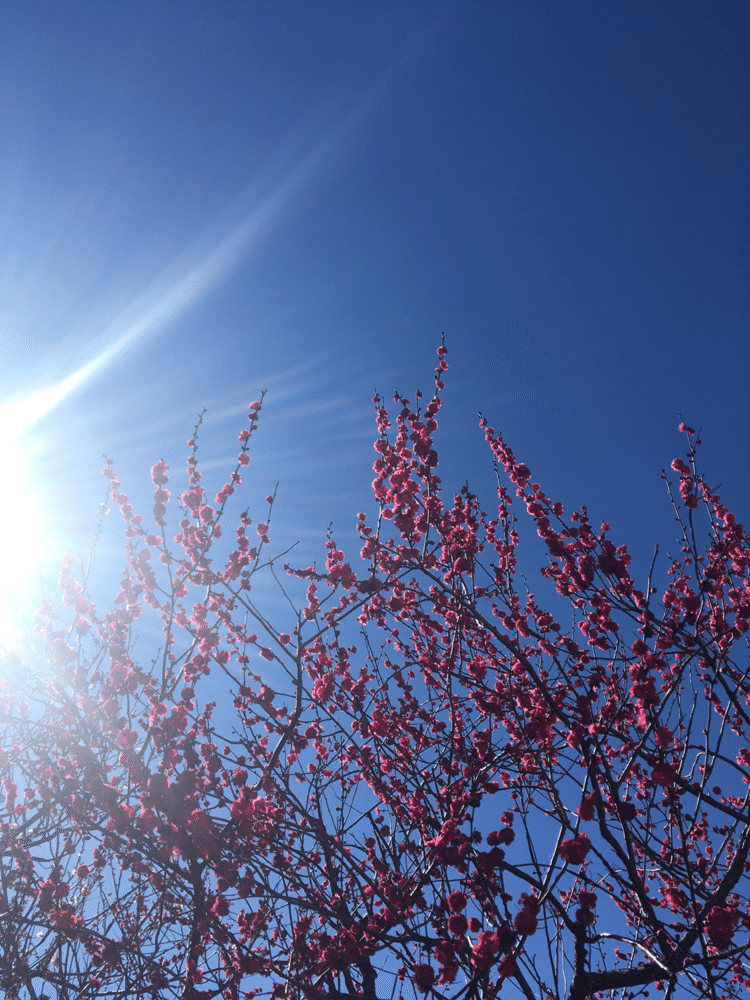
x,y
197,270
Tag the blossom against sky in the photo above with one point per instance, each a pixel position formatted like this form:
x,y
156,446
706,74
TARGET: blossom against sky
x,y
198,202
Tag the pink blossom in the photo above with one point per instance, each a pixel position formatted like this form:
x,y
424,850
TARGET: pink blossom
x,y
159,475
457,901
720,926
424,977
664,774
574,851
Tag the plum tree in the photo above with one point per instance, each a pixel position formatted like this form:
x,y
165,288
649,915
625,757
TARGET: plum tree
x,y
422,781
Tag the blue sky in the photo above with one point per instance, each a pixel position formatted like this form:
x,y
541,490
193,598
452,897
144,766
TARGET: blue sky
x,y
199,201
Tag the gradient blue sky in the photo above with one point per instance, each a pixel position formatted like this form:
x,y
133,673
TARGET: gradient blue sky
x,y
202,200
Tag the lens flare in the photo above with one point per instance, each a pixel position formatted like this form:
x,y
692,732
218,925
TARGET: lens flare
x,y
190,277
